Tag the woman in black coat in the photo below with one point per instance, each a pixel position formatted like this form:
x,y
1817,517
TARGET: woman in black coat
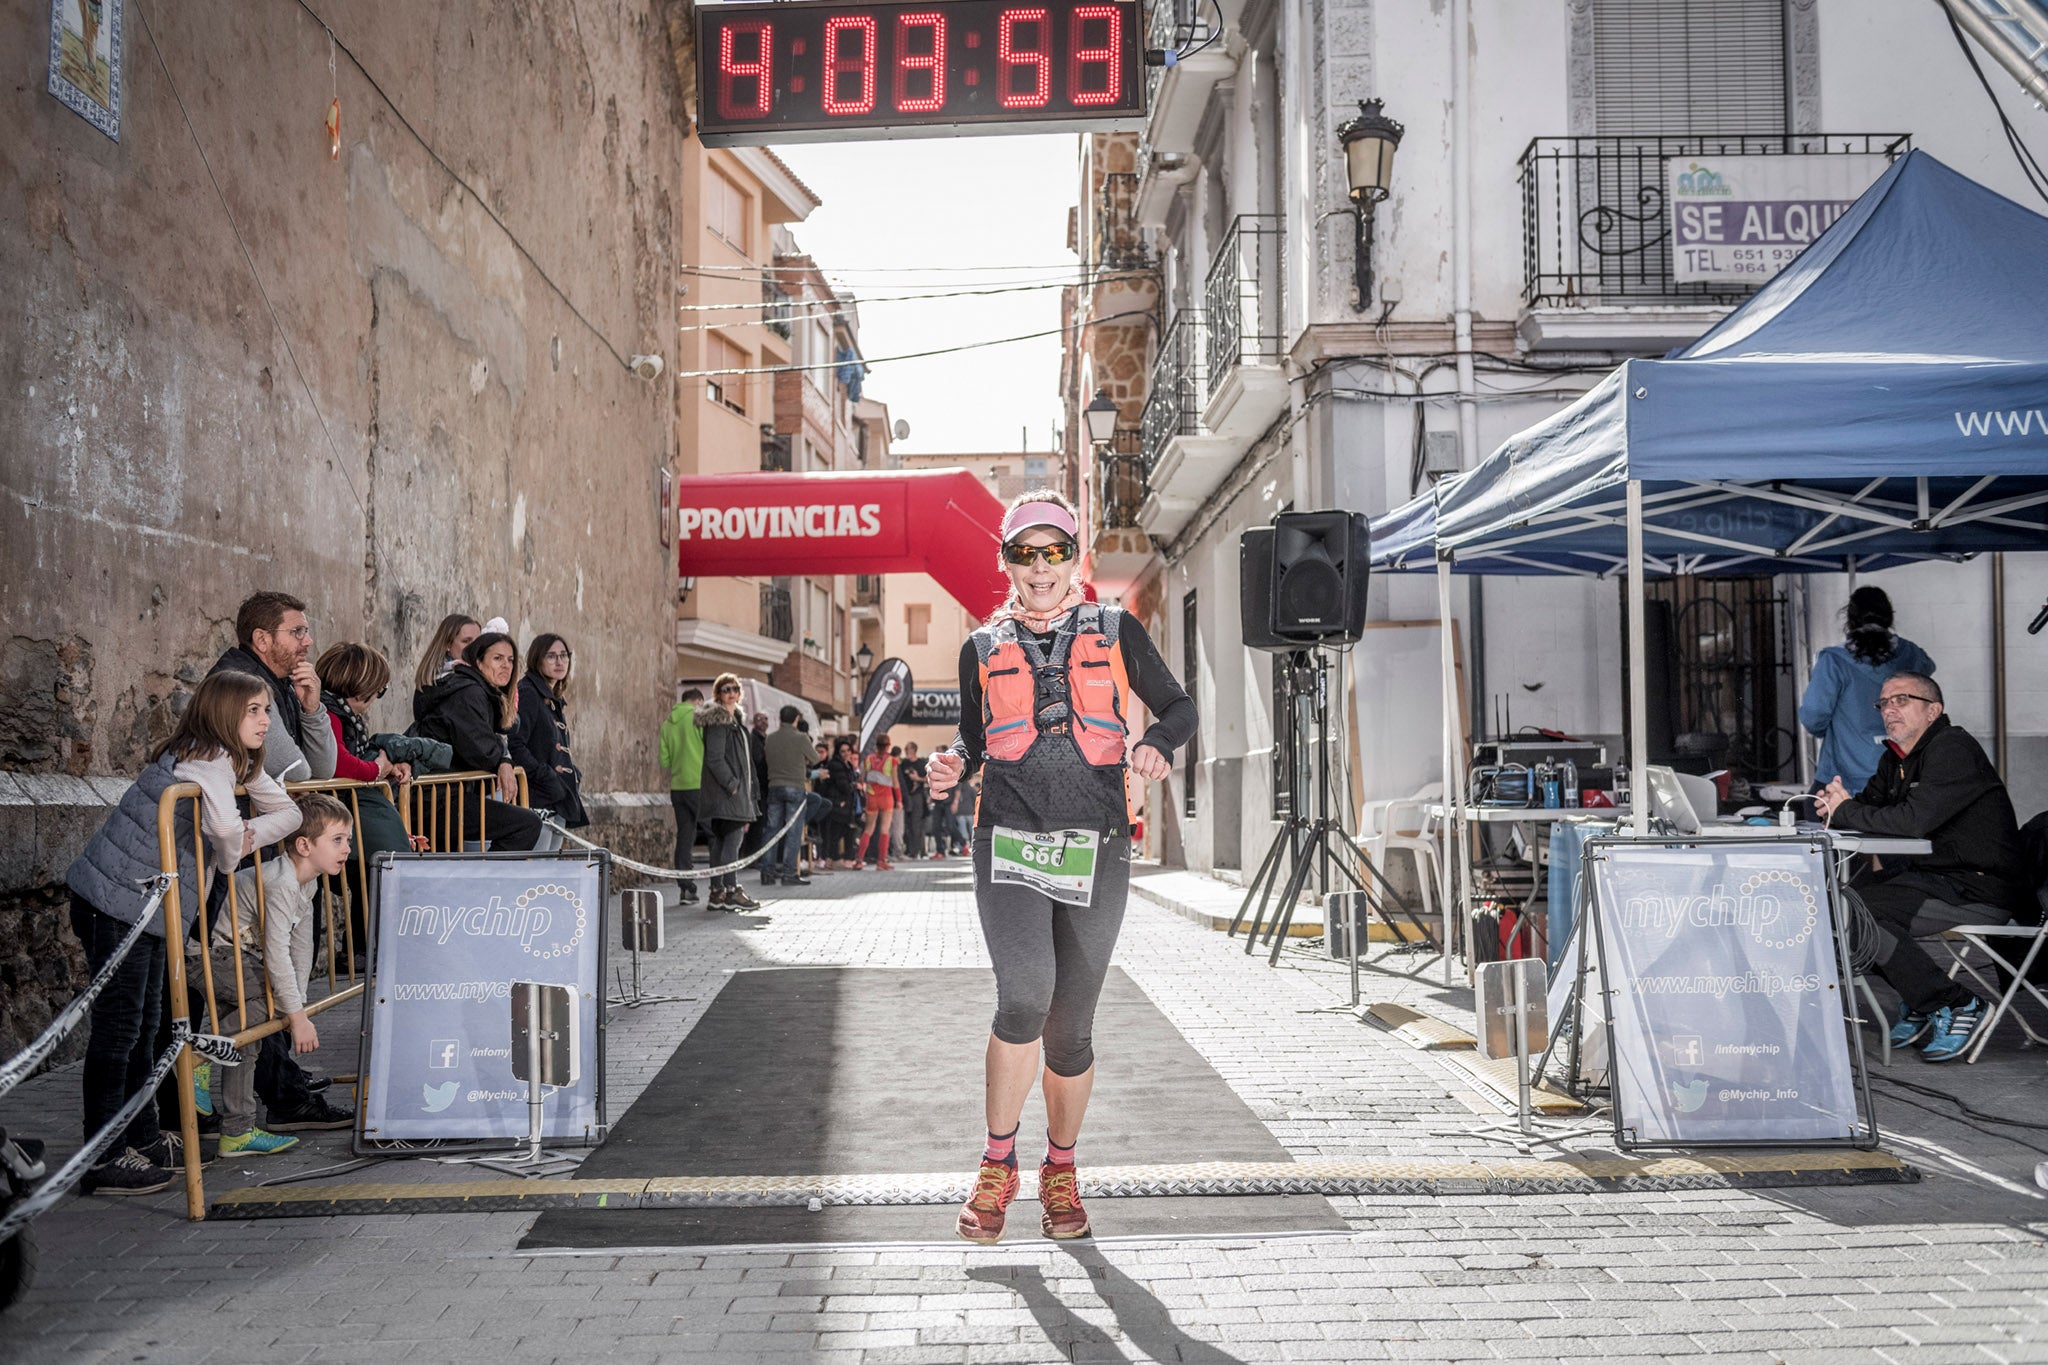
x,y
540,734
471,711
842,786
728,800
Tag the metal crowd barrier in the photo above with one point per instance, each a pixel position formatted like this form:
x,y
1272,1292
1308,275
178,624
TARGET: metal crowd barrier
x,y
433,809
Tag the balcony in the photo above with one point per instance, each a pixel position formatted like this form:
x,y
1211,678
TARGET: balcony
x,y
1178,94
1596,236
1121,551
778,621
867,597
777,308
1183,460
1118,243
777,451
1247,388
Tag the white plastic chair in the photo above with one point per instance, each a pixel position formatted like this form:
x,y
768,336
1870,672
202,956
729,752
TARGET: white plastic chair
x,y
2028,940
1403,824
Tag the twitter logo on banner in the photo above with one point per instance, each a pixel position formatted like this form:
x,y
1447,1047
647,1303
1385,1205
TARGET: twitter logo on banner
x,y
439,1097
1690,1096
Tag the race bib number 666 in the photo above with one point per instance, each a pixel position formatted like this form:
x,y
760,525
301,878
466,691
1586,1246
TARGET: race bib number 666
x,y
1060,863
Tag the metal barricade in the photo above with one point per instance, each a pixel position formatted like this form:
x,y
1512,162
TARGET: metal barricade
x,y
434,810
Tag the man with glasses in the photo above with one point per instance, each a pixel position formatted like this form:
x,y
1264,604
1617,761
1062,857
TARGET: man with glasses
x,y
1934,782
276,645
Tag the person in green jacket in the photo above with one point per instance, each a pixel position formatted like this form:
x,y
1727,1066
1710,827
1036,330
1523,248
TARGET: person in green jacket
x,y
682,753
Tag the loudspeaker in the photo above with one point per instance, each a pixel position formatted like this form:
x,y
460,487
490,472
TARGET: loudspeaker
x,y
1318,577
1255,592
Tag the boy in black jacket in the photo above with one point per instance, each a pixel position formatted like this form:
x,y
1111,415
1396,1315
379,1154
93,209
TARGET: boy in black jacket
x,y
1934,783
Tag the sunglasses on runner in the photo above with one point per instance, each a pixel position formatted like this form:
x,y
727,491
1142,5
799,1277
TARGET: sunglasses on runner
x,y
1021,555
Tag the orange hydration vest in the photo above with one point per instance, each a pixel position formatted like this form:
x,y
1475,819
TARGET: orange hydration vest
x,y
1096,685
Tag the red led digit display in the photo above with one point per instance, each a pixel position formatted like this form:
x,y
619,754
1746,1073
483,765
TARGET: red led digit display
x,y
757,37
915,66
849,65
812,70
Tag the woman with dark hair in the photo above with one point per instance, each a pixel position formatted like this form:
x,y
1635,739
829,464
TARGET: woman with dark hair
x,y
1840,706
842,789
728,799
471,711
540,734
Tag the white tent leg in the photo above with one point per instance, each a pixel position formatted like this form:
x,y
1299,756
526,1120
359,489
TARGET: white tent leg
x,y
1638,682
1450,884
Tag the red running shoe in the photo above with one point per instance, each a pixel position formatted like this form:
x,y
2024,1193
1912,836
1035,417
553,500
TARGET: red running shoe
x,y
885,867
981,1217
1059,1196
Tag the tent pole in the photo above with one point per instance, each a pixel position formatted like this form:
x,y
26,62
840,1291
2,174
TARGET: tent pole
x,y
1798,599
1450,887
1638,664
1998,693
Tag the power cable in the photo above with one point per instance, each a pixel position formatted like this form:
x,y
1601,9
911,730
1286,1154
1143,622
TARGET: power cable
x,y
870,362
864,300
1966,1108
470,189
2037,178
284,338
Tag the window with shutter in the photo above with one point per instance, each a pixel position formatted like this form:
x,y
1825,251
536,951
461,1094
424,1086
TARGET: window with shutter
x,y
1688,66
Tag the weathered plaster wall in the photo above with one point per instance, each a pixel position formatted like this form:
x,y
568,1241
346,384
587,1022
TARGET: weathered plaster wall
x,y
427,425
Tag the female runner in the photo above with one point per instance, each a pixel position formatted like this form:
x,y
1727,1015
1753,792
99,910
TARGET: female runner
x,y
1045,687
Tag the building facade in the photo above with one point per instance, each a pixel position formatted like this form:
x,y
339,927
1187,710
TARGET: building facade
x,y
1522,250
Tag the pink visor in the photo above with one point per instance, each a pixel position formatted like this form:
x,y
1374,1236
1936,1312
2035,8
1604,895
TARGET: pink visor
x,y
1024,516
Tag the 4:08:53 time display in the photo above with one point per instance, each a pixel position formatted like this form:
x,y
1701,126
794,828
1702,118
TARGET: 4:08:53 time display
x,y
776,69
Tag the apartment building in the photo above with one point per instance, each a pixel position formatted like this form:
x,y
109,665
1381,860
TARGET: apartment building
x,y
1268,347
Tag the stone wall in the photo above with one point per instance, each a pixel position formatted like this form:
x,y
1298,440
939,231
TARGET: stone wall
x,y
392,383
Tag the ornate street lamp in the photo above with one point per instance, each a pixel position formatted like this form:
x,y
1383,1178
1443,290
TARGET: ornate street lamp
x,y
1101,416
1369,141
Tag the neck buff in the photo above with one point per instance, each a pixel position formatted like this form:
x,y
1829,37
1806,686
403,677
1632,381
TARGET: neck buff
x,y
1043,621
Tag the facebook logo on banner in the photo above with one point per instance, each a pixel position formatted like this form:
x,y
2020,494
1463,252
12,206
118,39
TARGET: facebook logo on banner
x,y
444,1053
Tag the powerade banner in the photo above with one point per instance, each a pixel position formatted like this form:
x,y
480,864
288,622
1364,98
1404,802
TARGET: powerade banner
x,y
935,706
886,700
454,931
1725,994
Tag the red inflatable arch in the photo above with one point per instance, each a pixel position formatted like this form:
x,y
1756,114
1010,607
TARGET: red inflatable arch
x,y
942,522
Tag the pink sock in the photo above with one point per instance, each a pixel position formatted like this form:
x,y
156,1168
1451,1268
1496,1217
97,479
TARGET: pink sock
x,y
1003,1149
1056,1155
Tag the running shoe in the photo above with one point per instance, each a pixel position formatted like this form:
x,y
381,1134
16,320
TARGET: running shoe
x,y
315,1116
886,866
1059,1197
1910,1027
981,1217
1954,1029
168,1151
256,1142
128,1173
202,1088
736,899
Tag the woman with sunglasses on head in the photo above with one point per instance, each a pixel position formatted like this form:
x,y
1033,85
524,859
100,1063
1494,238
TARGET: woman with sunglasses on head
x,y
728,799
1046,687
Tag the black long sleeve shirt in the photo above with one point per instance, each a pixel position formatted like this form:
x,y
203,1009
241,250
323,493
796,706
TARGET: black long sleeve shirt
x,y
1053,787
1946,792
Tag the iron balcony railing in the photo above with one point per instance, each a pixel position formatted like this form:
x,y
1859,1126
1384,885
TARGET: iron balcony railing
x,y
1595,225
1241,299
776,308
777,453
1120,482
1177,26
1174,405
778,622
1119,242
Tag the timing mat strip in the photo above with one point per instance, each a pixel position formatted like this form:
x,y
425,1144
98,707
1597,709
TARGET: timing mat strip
x,y
1589,1175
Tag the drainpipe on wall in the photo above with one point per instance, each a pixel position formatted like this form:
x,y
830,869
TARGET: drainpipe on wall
x,y
1461,303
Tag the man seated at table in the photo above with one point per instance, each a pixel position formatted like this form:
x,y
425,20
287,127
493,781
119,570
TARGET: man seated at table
x,y
1934,783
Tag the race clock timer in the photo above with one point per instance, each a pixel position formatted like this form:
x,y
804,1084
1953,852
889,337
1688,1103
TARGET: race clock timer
x,y
800,71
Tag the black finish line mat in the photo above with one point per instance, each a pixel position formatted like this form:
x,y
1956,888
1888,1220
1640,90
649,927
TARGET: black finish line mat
x,y
819,1086
817,1071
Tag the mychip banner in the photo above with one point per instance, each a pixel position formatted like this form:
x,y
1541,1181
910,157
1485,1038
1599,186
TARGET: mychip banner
x,y
1725,994
454,931
1741,219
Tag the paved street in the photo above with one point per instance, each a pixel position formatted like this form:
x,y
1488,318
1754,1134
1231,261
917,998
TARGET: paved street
x,y
1954,1268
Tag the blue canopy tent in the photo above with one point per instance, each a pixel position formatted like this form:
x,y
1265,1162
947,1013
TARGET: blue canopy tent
x,y
1883,399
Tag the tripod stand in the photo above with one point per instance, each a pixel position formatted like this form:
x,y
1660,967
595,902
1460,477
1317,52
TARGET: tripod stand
x,y
1310,843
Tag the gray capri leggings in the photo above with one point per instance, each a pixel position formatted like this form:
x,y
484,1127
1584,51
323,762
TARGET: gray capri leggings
x,y
1050,958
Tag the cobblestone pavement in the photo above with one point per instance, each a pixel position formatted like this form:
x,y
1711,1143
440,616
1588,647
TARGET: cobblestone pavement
x,y
1954,1268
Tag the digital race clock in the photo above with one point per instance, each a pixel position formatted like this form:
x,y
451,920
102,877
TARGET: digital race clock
x,y
813,70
